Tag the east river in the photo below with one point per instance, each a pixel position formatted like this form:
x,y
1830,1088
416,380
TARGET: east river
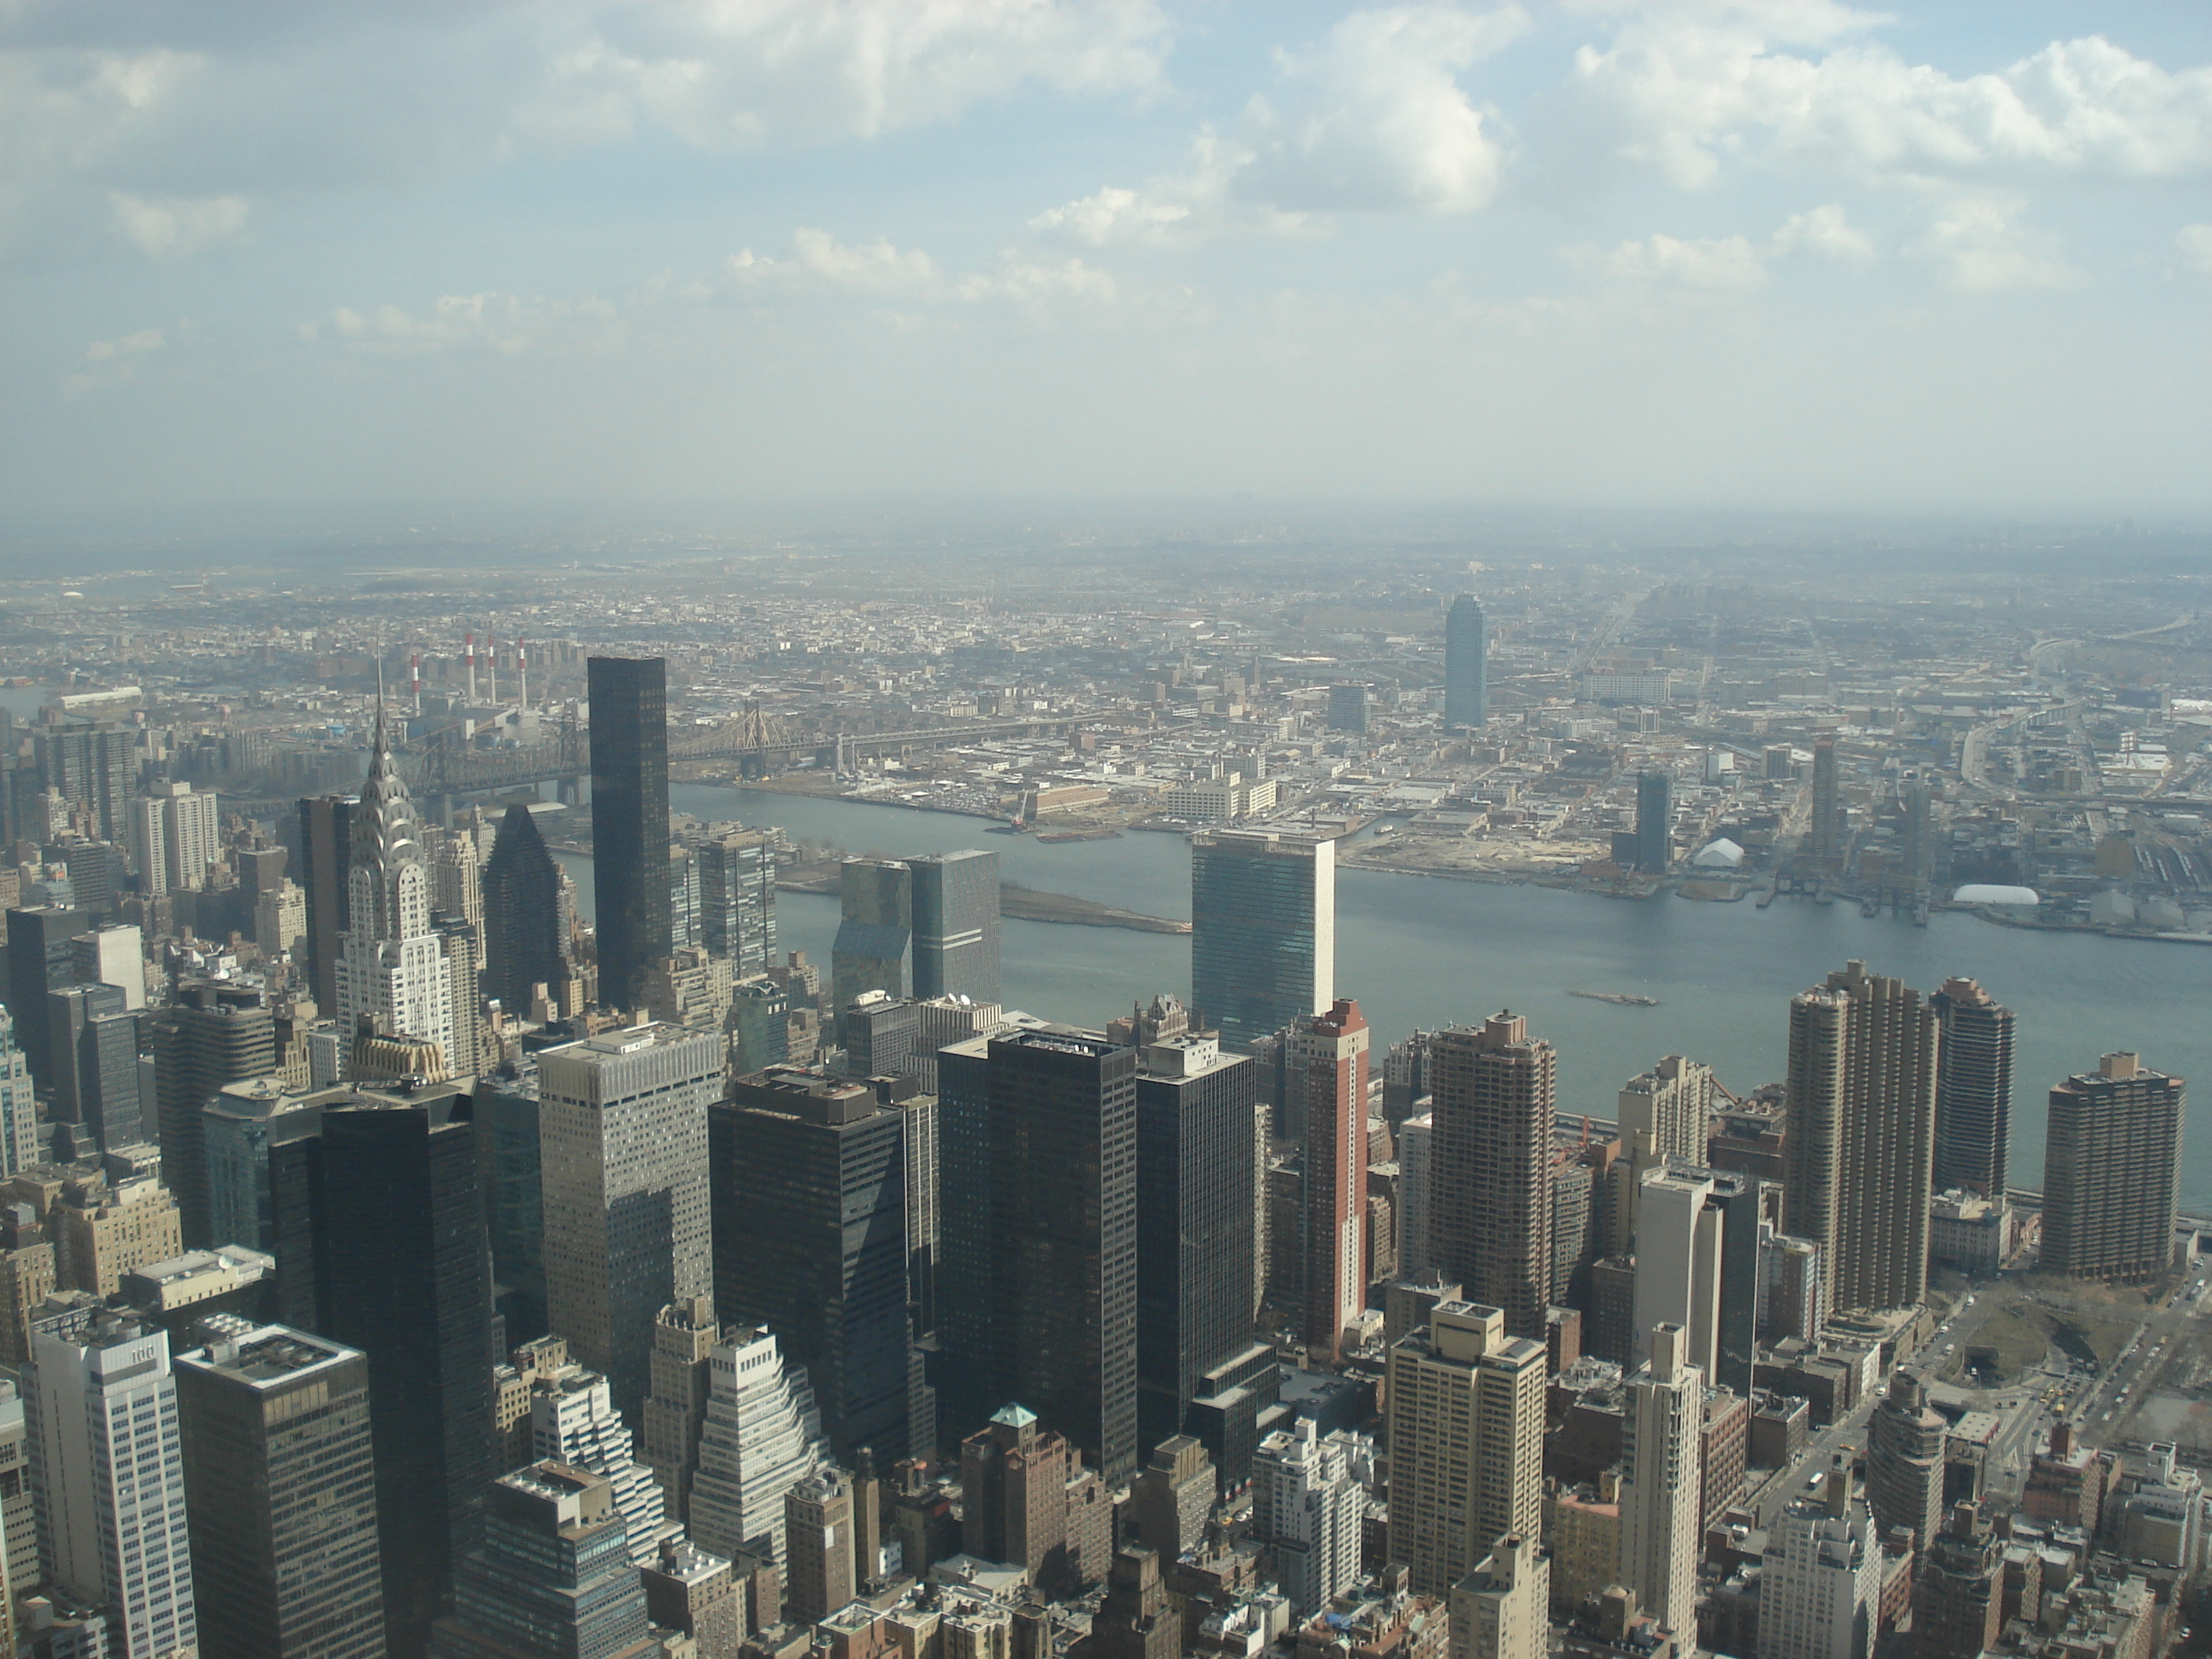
x,y
1422,951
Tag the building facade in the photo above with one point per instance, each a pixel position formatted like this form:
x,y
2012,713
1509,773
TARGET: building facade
x,y
1974,1090
1329,1053
1662,1433
2112,1159
1263,932
1490,1183
630,861
956,926
1467,665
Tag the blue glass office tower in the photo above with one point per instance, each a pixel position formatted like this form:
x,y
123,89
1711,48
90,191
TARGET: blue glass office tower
x,y
1467,664
1262,930
956,926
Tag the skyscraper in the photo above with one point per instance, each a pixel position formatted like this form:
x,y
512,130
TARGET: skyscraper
x,y
1196,1193
281,1491
1661,1431
41,959
19,1110
91,764
393,976
573,1420
554,1571
760,1438
523,945
1415,1155
1974,1090
1490,1178
2112,1157
1862,1108
1347,708
956,926
737,899
107,1463
1501,1608
874,947
1655,824
1466,1425
821,1571
622,1129
1330,1052
399,1237
1262,931
211,1035
1820,1584
1467,665
1037,1284
325,847
808,1178
1308,1507
629,822
682,1369
1905,1442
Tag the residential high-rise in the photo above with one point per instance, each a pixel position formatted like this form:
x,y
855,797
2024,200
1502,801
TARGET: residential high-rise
x,y
1467,665
553,1574
1974,1090
1329,1053
1196,1192
956,926
1862,1114
107,1467
622,1129
1663,1113
190,834
325,848
90,764
1958,1589
1466,1424
398,1237
393,976
821,1571
760,1438
874,947
41,959
690,1590
1172,1499
114,956
2112,1159
1698,1266
1662,1428
95,1081
1501,1609
683,1377
573,1420
1490,1177
1819,1588
1416,1157
1135,1619
737,899
1905,1444
1308,1509
1262,930
19,1109
523,945
1028,1500
281,1493
1654,825
1037,1284
1826,840
629,822
809,1196
211,1035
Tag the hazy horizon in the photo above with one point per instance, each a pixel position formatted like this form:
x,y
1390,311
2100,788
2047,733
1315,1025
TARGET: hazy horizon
x,y
648,266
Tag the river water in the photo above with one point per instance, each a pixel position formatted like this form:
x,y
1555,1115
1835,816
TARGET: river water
x,y
1424,951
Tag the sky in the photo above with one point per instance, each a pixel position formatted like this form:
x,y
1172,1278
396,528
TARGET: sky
x,y
338,259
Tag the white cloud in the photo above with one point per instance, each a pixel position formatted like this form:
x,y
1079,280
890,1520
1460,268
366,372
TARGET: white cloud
x,y
110,362
1370,118
1032,286
818,260
1978,246
1825,232
2195,242
174,227
1687,88
508,324
1726,264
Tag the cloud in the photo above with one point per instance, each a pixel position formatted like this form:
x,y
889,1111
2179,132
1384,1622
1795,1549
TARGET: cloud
x,y
175,226
194,111
110,362
1033,286
1372,119
1688,88
2195,242
506,324
1978,246
1824,233
818,260
1728,265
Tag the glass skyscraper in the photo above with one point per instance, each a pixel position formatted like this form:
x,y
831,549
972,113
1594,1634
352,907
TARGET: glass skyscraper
x,y
629,822
956,926
1467,664
1262,930
521,914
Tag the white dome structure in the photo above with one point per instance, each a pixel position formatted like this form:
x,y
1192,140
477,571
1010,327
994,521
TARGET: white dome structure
x,y
1721,854
1985,892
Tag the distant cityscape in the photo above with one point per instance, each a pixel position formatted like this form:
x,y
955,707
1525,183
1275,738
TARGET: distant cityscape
x,y
408,1253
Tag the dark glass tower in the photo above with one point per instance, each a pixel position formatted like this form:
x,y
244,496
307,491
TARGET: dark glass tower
x,y
1037,1289
956,926
1262,930
874,947
629,822
521,913
280,1491
40,959
1196,1187
325,856
407,1280
1655,820
1974,1090
809,1185
1467,664
210,1035
553,1575
508,1164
